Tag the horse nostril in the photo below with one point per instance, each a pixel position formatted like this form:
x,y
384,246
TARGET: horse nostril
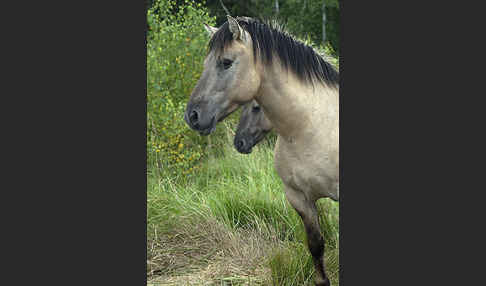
x,y
240,144
193,117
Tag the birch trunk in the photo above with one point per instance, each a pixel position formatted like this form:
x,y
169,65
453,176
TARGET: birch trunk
x,y
323,22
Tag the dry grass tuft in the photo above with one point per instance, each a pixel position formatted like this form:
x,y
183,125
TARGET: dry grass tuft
x,y
208,253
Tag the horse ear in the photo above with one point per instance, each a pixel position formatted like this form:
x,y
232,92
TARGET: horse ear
x,y
235,29
210,30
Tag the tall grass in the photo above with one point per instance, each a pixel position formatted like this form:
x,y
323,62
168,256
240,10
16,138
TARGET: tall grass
x,y
241,193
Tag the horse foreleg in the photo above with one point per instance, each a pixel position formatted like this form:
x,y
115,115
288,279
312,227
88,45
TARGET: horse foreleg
x,y
308,212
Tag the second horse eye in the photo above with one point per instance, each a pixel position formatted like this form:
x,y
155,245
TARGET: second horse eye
x,y
227,63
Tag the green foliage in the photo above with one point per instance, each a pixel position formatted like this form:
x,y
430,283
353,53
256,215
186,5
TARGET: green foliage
x,y
302,17
328,51
176,46
332,27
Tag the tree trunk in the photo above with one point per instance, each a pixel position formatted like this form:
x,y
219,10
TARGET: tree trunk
x,y
323,22
277,10
303,16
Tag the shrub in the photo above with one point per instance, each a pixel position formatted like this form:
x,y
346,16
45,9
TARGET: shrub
x,y
176,47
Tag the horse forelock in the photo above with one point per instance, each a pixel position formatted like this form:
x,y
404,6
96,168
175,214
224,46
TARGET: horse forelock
x,y
269,40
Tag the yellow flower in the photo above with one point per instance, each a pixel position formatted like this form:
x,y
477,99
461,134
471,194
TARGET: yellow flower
x,y
158,150
181,145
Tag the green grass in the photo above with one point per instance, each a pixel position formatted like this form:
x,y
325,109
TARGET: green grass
x,y
232,217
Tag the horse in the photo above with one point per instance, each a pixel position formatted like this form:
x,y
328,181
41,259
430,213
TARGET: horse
x,y
252,127
299,93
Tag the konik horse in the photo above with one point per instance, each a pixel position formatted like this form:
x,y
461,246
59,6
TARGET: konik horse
x,y
298,92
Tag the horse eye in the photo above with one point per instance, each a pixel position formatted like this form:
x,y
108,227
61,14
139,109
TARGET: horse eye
x,y
227,63
256,108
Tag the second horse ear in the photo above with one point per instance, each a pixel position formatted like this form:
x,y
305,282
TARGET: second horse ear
x,y
234,28
210,30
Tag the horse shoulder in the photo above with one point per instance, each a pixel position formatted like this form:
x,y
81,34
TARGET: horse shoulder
x,y
313,172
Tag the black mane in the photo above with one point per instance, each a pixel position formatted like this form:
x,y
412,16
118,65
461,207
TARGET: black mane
x,y
268,40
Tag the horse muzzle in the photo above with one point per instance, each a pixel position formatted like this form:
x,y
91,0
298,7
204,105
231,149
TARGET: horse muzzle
x,y
193,118
243,146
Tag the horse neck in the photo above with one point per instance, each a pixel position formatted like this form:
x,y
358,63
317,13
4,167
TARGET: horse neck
x,y
294,106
